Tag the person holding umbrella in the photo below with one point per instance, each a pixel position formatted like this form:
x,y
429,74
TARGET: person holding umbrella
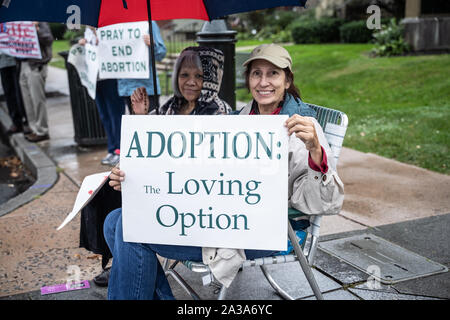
x,y
126,87
109,105
137,273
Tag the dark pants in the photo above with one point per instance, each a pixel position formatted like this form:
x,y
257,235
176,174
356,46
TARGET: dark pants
x,y
13,95
136,272
110,108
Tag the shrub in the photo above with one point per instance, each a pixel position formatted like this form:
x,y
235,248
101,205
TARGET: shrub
x,y
266,32
316,31
305,32
74,35
355,32
58,30
282,37
390,41
269,24
282,19
308,15
244,36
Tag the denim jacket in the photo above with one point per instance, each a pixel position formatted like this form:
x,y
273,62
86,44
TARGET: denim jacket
x,y
127,86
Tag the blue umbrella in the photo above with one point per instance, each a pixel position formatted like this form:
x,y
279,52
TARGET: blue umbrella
x,y
98,13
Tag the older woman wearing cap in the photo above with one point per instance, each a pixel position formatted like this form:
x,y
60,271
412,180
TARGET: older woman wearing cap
x,y
314,186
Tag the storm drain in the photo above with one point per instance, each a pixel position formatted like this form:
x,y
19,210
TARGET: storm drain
x,y
380,259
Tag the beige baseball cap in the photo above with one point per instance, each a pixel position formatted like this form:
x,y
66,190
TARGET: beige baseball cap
x,y
273,53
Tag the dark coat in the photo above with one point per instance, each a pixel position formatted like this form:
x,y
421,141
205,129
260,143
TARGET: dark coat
x,y
92,218
45,42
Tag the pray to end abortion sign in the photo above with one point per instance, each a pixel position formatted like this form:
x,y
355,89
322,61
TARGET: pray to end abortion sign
x,y
85,60
123,52
208,181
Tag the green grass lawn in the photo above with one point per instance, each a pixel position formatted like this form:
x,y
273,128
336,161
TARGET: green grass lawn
x,y
58,46
397,107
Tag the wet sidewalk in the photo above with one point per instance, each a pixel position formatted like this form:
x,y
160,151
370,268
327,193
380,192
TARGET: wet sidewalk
x,y
402,205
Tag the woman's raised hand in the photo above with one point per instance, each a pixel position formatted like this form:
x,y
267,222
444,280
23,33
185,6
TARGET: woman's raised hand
x,y
116,177
139,101
146,38
304,129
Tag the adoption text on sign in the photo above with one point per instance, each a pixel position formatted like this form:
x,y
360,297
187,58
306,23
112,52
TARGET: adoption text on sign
x,y
215,181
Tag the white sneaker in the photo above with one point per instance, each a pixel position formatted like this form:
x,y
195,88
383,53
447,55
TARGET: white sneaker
x,y
107,160
114,160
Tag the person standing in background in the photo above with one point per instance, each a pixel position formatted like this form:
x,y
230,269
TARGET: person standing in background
x,y
112,95
110,108
33,75
9,70
126,87
109,105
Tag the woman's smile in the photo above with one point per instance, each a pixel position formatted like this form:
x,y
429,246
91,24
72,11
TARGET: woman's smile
x,y
267,84
265,92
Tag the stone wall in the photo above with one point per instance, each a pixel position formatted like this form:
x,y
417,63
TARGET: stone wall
x,y
428,34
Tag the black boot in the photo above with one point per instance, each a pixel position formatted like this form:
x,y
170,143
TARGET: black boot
x,y
102,279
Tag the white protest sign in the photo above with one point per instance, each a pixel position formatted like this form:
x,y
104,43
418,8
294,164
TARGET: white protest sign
x,y
85,60
89,187
19,39
123,52
209,181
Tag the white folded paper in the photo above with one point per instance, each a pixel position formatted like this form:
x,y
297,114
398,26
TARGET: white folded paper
x,y
90,186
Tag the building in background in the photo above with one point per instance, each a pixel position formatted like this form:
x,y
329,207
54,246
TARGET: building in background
x,y
357,9
427,25
426,22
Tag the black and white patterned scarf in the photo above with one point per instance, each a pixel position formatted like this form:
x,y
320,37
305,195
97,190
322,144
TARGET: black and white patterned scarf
x,y
212,61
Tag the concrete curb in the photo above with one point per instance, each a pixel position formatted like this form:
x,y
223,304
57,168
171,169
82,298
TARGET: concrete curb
x,y
32,156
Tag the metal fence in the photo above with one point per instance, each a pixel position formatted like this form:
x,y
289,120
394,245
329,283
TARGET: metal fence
x,y
177,35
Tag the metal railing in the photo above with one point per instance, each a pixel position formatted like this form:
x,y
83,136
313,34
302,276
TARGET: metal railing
x,y
177,35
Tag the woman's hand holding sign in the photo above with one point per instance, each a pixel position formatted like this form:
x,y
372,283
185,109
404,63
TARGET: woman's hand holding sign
x,y
146,38
140,101
304,130
116,177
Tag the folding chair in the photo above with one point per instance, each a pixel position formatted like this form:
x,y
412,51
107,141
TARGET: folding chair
x,y
334,124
